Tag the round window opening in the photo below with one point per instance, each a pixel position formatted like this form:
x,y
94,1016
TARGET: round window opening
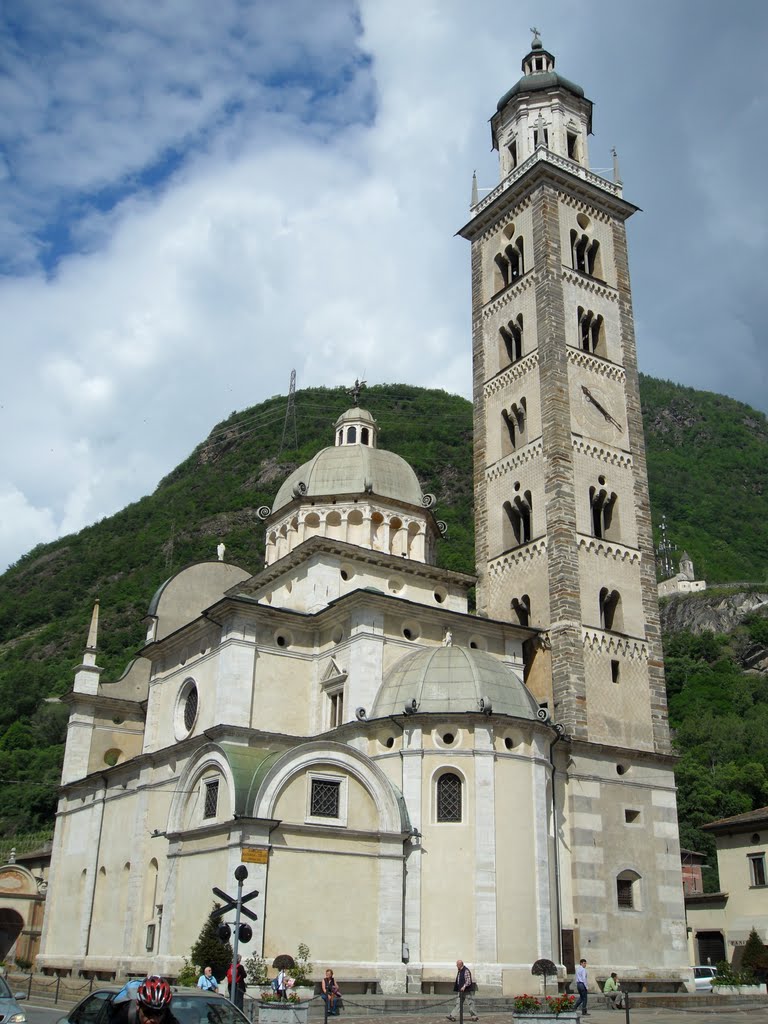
x,y
622,769
389,742
190,707
440,595
509,743
448,738
756,837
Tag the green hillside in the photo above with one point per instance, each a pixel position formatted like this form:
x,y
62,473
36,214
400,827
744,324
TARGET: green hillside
x,y
708,462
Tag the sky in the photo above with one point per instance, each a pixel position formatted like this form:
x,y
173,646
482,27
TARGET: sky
x,y
198,198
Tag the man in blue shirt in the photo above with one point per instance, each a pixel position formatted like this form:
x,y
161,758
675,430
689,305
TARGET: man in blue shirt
x,y
206,981
581,985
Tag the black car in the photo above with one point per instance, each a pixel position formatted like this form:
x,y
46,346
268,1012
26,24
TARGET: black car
x,y
189,1006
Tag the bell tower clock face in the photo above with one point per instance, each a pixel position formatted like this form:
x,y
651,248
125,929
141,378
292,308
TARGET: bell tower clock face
x,y
595,414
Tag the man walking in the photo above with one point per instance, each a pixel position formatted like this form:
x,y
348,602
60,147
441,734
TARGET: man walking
x,y
464,988
581,985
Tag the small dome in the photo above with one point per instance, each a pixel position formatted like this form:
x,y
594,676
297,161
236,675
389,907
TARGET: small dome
x,y
453,680
536,83
352,469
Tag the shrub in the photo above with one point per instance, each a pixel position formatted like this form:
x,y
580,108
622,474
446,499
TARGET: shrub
x,y
188,974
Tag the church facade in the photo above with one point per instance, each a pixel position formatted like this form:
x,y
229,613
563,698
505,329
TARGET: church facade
x,y
408,782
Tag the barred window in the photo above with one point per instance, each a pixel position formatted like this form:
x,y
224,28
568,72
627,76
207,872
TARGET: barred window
x,y
190,708
449,797
325,799
628,890
211,798
624,892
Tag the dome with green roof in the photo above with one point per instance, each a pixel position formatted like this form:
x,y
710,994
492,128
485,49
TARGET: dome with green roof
x,y
354,465
452,680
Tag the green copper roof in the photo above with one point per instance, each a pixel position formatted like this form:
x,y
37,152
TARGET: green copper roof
x,y
453,679
352,469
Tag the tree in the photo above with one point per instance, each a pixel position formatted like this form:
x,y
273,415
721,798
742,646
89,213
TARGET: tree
x,y
210,951
755,956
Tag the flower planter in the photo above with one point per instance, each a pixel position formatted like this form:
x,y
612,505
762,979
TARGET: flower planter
x,y
283,1013
738,990
572,1016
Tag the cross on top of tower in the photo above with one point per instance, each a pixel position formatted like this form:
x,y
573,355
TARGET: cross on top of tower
x,y
536,39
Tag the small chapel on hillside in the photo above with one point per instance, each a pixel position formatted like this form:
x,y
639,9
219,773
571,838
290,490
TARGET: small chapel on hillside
x,y
406,780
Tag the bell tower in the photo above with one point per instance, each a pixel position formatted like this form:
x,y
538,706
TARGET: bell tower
x,y
562,512
562,517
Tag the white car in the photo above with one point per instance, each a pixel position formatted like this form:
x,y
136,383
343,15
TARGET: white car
x,y
702,977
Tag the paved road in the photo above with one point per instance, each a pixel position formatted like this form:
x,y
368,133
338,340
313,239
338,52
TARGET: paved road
x,y
37,1014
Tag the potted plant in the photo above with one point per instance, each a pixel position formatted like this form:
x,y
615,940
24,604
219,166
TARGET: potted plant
x,y
528,1008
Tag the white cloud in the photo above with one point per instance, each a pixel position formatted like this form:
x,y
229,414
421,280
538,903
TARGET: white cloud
x,y
308,220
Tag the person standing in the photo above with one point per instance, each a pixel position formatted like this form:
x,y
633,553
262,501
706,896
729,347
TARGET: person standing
x,y
581,984
464,987
239,983
613,995
206,981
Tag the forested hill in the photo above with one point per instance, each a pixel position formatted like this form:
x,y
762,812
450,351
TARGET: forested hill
x,y
708,470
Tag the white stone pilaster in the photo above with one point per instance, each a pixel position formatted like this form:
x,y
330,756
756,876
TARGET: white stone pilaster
x,y
413,761
485,847
543,880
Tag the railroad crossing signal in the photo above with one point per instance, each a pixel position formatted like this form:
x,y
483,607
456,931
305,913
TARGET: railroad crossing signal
x,y
243,932
231,903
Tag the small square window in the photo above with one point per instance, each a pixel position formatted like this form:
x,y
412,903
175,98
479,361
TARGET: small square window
x,y
211,798
325,799
756,869
631,816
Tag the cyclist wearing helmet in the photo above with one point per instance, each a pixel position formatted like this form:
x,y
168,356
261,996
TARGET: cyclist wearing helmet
x,y
153,1000
143,1002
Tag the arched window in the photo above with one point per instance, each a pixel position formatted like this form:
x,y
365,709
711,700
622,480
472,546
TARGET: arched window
x,y
521,609
591,332
514,433
518,521
628,890
585,253
510,262
449,797
610,610
603,507
351,435
511,341
364,435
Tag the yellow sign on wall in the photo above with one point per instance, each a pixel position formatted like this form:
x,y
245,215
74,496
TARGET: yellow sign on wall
x,y
252,855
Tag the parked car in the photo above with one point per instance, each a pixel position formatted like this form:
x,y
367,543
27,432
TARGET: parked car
x,y
189,1006
10,1011
702,977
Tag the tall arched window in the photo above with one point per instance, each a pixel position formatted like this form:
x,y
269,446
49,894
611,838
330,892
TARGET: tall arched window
x,y
585,253
517,525
510,261
628,890
513,436
610,610
603,507
511,341
521,609
449,797
591,332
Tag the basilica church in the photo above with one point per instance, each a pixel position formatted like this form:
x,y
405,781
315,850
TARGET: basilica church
x,y
407,781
